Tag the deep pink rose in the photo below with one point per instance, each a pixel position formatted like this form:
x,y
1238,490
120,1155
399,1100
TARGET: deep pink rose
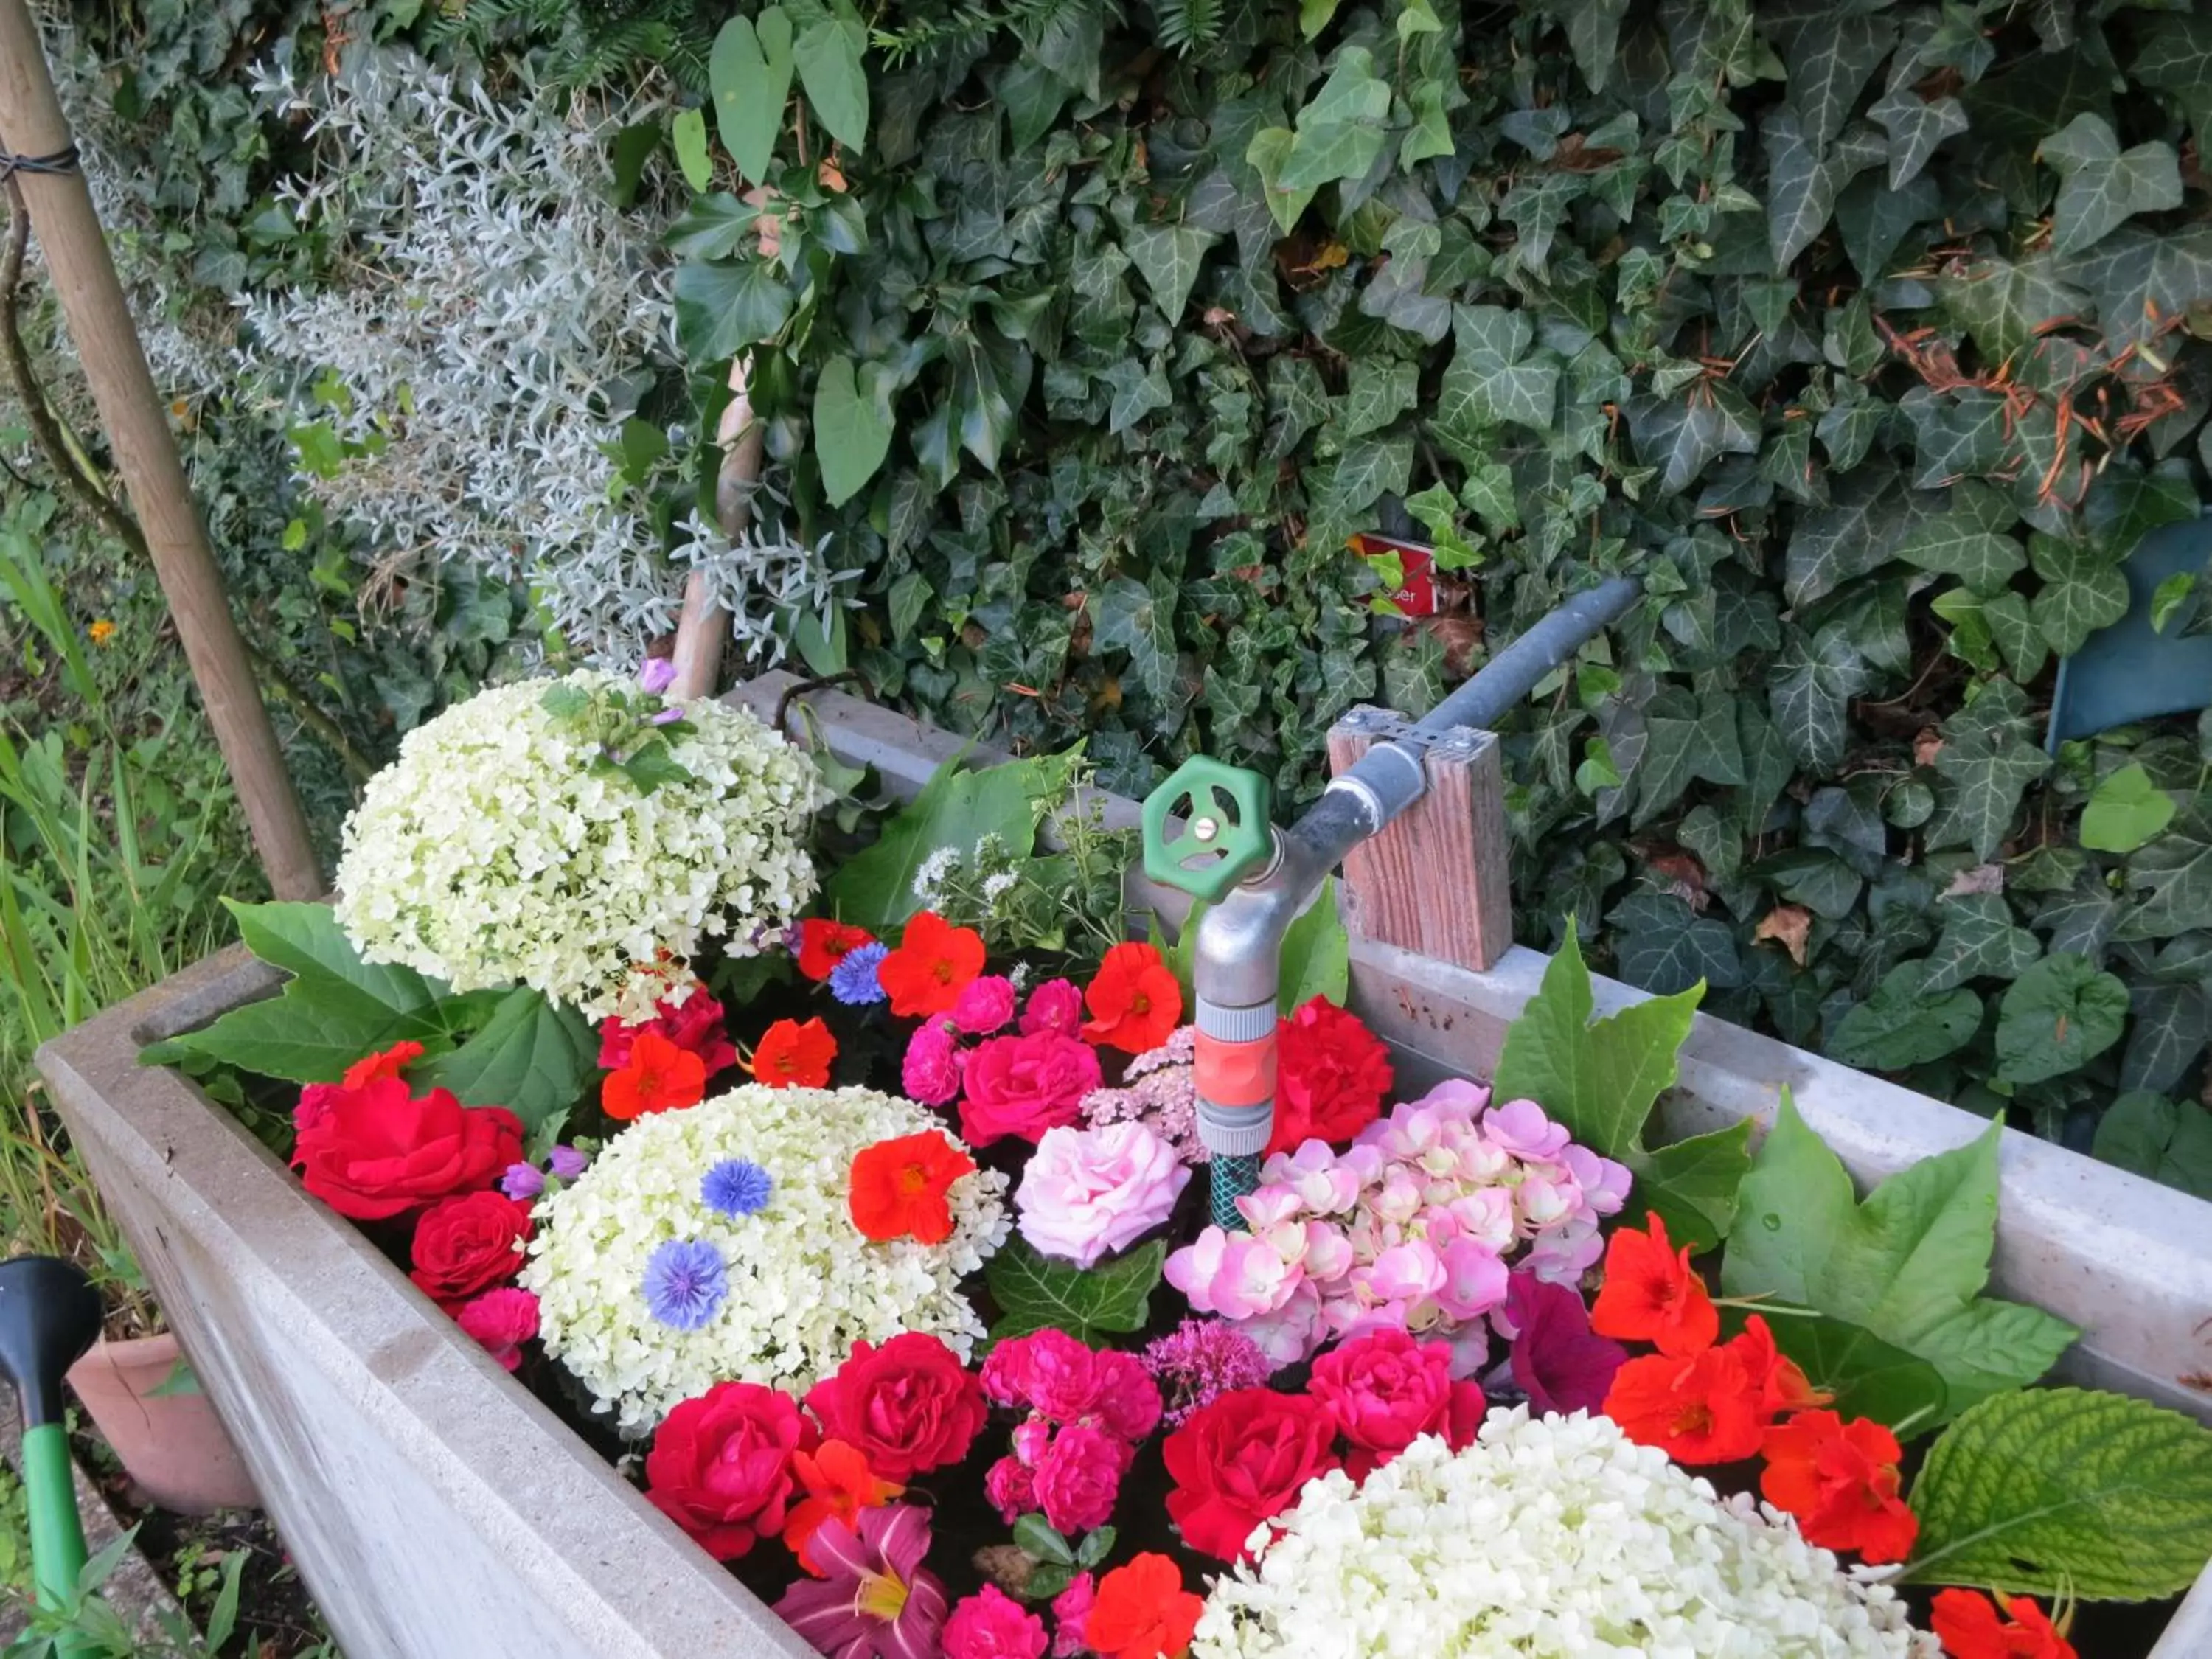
x,y
1078,1478
1071,1608
1051,1372
984,1004
930,1074
992,1625
502,1321
721,1466
1010,1488
1388,1390
1054,1005
909,1406
1023,1086
1241,1460
696,1027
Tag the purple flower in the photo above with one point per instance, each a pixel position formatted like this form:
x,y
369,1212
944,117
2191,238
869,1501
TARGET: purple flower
x,y
567,1162
667,716
874,1597
1202,1358
685,1283
522,1181
735,1186
657,675
1559,1364
853,981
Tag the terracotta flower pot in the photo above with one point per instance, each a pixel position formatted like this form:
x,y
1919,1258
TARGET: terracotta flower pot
x,y
172,1444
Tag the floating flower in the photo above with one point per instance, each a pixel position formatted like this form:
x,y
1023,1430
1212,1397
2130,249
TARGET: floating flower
x,y
1387,1390
874,1596
1135,1000
1557,1360
1840,1480
694,1024
907,1407
1025,1085
685,1283
1971,1627
381,1150
794,1056
1197,1362
467,1244
931,1070
992,1625
735,1186
838,1483
1142,1610
824,943
853,981
721,1467
1240,1461
933,963
1701,1409
984,1004
502,1320
1088,1193
1331,1075
1651,1294
660,1077
898,1187
389,1062
1054,1005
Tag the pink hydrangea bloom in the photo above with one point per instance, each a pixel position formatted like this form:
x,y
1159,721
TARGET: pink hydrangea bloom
x,y
1080,1477
992,1625
1519,1128
1088,1193
1054,1005
984,1004
502,1321
931,1073
1010,1488
1071,1608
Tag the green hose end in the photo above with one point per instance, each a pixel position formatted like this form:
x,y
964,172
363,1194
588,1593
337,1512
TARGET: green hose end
x,y
49,1494
1233,1177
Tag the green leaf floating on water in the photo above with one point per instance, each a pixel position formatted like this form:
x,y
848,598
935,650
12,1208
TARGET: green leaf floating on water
x,y
2059,1490
1035,1293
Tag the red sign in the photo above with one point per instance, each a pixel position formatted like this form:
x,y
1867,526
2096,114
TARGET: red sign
x,y
1415,593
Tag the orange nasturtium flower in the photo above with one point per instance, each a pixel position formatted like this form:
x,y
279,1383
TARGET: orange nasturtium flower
x,y
101,631
794,1056
1970,1626
1701,1409
1135,1000
660,1078
1840,1480
1651,1294
898,1187
386,1062
933,963
839,1484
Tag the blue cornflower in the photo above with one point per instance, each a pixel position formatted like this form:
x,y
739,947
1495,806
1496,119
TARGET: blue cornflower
x,y
853,981
736,1186
685,1283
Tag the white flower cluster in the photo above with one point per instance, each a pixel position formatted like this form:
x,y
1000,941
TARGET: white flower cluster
x,y
1552,1536
493,849
804,1284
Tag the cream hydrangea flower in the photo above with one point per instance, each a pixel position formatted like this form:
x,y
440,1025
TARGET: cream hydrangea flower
x,y
1551,1537
800,1283
492,850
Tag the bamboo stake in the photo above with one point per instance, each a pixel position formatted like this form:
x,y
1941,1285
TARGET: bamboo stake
x,y
107,340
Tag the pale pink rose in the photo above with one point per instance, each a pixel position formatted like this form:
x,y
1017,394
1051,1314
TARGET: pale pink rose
x,y
984,1004
1475,1280
1054,1005
1088,1193
1520,1128
930,1074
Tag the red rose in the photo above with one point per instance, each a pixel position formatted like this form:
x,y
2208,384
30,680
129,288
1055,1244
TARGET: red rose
x,y
1023,1086
464,1245
907,1407
1241,1460
377,1151
1387,1390
697,1027
722,1466
1331,1074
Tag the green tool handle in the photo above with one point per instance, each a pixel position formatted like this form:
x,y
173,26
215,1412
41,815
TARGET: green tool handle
x,y
57,1537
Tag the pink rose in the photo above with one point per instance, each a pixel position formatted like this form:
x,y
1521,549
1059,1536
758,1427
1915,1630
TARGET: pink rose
x,y
1054,1005
1010,1488
991,1625
502,1321
984,1004
1071,1608
930,1074
1025,1085
1088,1193
1080,1477
1388,1390
1053,1374
1031,1436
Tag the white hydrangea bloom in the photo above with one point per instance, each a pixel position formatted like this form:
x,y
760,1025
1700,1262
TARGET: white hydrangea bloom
x,y
805,1284
492,850
1552,1536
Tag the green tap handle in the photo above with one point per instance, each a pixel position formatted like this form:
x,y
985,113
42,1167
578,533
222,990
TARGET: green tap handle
x,y
50,1492
1225,833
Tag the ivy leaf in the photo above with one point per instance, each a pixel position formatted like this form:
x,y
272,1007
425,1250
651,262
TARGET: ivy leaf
x,y
2083,591
724,306
851,429
1962,544
2067,1492
1800,187
1916,127
1129,615
1809,691
2060,1014
1369,468
749,72
2176,54
1137,389
1867,1375
1376,393
1035,1293
1269,155
1980,941
1907,1265
1593,35
533,1057
1168,257
828,53
1486,384
2172,1022
2125,810
2152,1136
1987,764
2173,876
1829,66
1342,132
2003,305
2104,186
2141,280
1904,1023
1866,519
1681,436
1664,949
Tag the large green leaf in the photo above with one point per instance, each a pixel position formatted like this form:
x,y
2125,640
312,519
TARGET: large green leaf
x,y
1904,1022
724,306
1867,1375
2105,185
750,75
852,426
2159,1140
1316,955
2171,878
2058,1015
533,1057
2125,810
1908,1265
828,54
1034,1292
2066,1492
1693,1184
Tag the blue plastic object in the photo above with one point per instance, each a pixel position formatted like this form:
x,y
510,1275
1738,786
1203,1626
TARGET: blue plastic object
x,y
2130,671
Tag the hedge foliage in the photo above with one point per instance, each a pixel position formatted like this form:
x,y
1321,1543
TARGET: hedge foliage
x,y
1871,337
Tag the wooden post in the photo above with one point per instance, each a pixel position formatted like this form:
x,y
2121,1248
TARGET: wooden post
x,y
702,630
100,323
1436,881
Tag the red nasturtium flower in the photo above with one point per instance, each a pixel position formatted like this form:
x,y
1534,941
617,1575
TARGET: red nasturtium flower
x,y
1783,1385
1970,1626
1652,1295
794,1056
839,1484
1135,1001
1702,1408
898,1187
1840,1480
1142,1610
660,1078
822,944
933,963
390,1062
